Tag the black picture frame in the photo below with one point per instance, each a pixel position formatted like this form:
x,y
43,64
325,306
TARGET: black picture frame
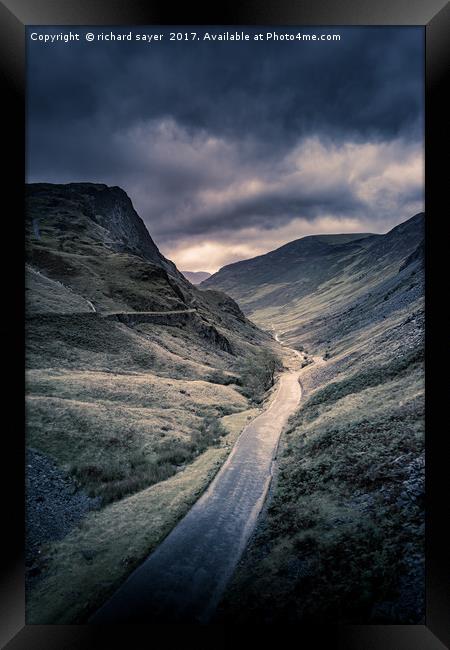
x,y
15,15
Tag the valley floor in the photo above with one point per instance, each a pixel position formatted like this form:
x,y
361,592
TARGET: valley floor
x,y
341,539
139,385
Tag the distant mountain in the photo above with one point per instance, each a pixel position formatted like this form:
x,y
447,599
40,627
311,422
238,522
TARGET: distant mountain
x,y
297,268
306,286
196,277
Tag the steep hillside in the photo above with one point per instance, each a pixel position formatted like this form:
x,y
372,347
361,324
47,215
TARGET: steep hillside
x,y
131,374
89,239
316,288
79,215
295,269
342,537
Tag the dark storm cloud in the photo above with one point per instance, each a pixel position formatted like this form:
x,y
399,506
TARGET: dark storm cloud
x,y
369,83
270,210
209,136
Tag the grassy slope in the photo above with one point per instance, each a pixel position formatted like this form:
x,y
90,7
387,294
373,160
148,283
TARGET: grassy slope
x,y
124,408
119,433
132,402
342,537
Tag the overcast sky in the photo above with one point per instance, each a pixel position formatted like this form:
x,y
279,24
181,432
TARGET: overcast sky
x,y
229,150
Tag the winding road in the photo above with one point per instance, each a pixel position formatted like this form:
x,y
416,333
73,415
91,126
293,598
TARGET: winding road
x,y
183,580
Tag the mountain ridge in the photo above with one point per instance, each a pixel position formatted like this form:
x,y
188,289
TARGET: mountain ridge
x,y
269,284
318,240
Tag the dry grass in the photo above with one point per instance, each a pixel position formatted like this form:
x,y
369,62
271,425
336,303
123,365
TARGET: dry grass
x,y
85,568
119,433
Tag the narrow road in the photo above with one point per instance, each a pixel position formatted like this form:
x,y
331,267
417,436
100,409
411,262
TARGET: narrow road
x,y
183,580
143,313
